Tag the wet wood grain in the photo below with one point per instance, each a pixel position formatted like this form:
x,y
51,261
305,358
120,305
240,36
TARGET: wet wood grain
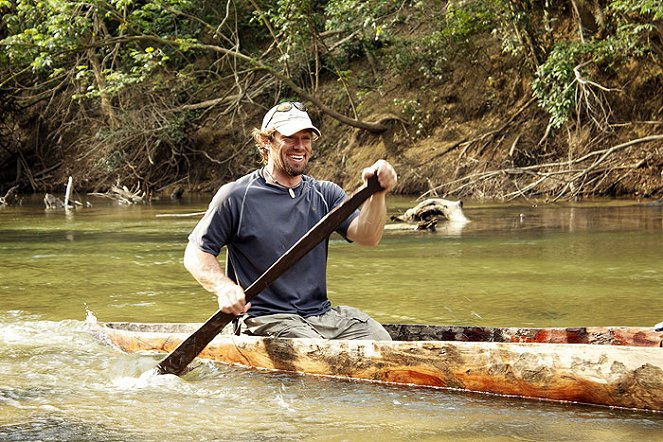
x,y
613,366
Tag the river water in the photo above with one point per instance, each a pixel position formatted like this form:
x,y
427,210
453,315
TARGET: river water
x,y
513,265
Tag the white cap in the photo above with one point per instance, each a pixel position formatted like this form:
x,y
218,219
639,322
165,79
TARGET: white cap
x,y
288,118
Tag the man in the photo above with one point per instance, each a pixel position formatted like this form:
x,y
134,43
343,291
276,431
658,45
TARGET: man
x,y
261,215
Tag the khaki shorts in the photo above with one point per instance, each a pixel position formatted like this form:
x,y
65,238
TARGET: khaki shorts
x,y
341,322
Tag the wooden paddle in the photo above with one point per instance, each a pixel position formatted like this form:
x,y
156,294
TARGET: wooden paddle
x,y
177,361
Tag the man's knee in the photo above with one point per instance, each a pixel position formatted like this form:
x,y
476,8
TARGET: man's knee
x,y
360,326
377,331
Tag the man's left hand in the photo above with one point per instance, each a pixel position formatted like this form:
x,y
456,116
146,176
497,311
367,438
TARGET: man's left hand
x,y
386,174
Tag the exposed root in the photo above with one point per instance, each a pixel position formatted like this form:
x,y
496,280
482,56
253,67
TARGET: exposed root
x,y
569,179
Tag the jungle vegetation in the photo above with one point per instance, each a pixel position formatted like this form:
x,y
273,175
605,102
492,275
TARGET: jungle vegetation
x,y
473,99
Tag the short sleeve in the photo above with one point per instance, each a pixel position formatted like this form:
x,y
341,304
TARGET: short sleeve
x,y
216,228
335,195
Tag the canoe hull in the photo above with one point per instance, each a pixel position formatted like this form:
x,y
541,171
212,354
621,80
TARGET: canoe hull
x,y
627,376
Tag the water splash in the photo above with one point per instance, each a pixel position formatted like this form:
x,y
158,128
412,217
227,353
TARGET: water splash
x,y
90,318
147,380
281,402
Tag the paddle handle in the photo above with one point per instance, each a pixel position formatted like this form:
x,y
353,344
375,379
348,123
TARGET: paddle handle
x,y
177,361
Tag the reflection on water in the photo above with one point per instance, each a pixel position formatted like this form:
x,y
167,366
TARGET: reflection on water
x,y
511,265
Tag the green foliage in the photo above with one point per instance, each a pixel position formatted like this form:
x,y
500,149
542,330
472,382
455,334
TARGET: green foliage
x,y
159,17
555,84
371,20
56,37
418,116
644,8
108,53
463,22
41,33
294,23
451,29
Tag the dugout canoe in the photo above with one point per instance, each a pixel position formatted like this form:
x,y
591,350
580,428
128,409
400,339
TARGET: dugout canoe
x,y
609,366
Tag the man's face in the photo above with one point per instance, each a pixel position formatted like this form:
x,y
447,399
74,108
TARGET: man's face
x,y
290,155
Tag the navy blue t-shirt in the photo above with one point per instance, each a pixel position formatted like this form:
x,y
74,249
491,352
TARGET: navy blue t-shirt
x,y
258,222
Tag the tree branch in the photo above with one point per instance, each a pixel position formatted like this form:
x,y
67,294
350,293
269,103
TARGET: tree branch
x,y
374,127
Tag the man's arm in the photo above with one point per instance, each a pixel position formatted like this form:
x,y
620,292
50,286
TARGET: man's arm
x,y
206,270
367,228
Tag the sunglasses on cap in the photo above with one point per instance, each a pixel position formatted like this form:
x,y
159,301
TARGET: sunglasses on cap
x,y
287,107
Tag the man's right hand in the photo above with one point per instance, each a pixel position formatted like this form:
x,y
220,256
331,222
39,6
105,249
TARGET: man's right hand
x,y
205,268
232,299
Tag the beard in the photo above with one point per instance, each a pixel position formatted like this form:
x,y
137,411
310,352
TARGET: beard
x,y
295,171
290,169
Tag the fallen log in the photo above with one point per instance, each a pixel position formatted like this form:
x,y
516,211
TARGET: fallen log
x,y
426,214
10,197
53,202
123,195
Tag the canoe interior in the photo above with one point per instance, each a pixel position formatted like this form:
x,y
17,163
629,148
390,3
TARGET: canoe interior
x,y
632,336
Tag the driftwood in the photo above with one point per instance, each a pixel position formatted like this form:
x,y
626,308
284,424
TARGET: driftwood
x,y
570,179
53,202
10,197
123,195
176,194
179,215
426,214
67,193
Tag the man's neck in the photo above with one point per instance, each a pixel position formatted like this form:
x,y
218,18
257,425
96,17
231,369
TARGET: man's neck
x,y
281,178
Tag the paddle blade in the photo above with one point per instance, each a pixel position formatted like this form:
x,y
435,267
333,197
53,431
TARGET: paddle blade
x,y
177,361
